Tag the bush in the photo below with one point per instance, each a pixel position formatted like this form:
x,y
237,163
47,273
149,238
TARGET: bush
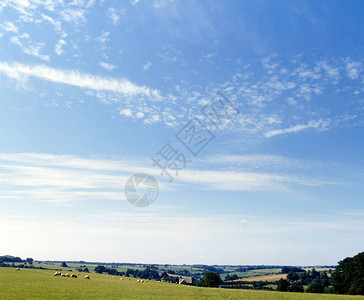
x,y
211,279
315,287
296,288
283,285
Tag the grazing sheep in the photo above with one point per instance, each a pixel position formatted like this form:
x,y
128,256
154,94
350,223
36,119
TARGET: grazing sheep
x,y
129,279
138,280
17,269
147,280
113,277
57,274
63,275
87,277
73,276
67,275
121,278
142,280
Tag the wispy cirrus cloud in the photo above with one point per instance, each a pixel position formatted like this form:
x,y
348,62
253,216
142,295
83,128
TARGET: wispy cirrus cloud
x,y
75,78
107,66
9,26
58,47
113,15
63,179
320,124
27,46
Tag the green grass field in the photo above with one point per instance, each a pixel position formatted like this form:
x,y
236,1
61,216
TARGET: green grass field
x,y
41,284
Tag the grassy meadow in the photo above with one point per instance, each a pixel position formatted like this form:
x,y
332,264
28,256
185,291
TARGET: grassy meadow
x,y
41,284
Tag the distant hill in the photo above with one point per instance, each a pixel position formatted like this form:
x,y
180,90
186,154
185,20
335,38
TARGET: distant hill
x,y
10,258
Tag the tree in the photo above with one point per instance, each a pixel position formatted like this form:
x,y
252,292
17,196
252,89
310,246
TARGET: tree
x,y
211,279
64,265
296,287
231,277
315,287
286,270
292,276
29,260
100,269
282,285
348,277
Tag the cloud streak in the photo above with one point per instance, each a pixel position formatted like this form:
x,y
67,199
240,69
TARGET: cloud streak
x,y
63,179
320,124
75,78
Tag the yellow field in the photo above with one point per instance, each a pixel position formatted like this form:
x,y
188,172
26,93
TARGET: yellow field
x,y
264,278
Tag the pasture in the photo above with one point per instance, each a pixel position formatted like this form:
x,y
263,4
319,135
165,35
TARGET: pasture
x,y
41,284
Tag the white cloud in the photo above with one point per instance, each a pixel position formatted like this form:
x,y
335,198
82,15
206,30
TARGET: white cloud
x,y
147,65
67,178
126,112
75,78
104,37
139,115
26,45
152,119
56,24
90,3
74,16
58,48
161,3
135,2
320,124
9,26
353,69
113,16
107,66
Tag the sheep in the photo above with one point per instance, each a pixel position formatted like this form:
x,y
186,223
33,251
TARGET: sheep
x,y
87,277
57,274
121,278
73,276
129,279
17,269
67,275
113,277
142,280
63,275
138,280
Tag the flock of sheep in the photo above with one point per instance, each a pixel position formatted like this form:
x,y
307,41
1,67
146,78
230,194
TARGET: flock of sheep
x,y
88,277
68,275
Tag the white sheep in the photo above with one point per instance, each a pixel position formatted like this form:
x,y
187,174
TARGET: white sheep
x,y
87,277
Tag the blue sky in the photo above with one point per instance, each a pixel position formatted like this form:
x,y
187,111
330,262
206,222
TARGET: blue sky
x,y
91,90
